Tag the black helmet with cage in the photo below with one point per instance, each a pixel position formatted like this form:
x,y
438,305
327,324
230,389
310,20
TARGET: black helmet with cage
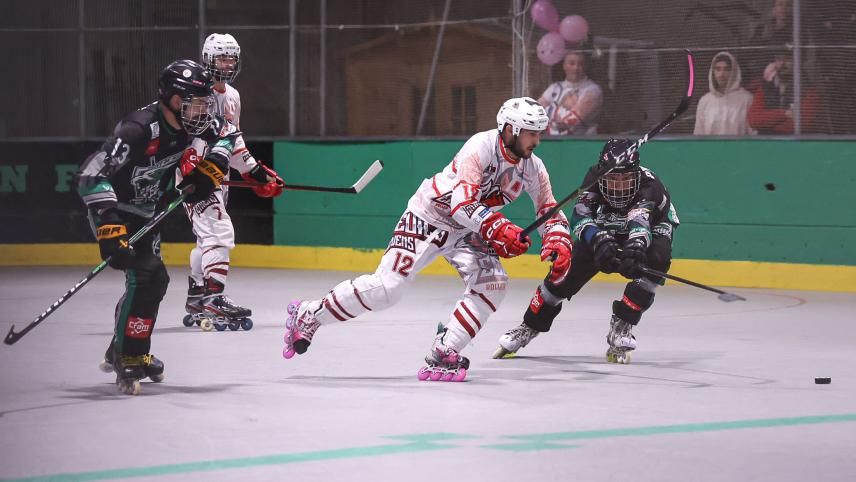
x,y
619,187
194,85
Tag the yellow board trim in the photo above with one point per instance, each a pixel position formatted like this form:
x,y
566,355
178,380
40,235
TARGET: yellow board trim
x,y
742,274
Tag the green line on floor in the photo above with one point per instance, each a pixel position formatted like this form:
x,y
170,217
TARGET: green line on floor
x,y
439,441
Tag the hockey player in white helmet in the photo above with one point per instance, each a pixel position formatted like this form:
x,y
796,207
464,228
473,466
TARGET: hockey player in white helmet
x,y
215,236
455,214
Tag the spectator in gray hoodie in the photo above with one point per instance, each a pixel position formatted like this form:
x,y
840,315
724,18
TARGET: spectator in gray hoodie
x,y
723,110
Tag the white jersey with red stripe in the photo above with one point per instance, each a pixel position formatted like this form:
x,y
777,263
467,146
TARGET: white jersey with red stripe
x,y
482,178
442,219
228,105
211,223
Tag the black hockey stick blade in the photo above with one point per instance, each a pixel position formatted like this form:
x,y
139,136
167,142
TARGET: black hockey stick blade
x,y
682,107
358,186
13,336
723,295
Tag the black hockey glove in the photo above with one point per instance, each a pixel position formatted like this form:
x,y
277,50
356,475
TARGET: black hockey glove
x,y
205,179
112,235
605,251
633,259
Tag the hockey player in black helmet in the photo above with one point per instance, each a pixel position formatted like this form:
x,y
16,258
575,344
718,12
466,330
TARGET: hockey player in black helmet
x,y
623,225
127,181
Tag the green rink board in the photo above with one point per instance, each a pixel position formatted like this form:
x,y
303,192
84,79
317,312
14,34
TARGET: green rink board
x,y
750,199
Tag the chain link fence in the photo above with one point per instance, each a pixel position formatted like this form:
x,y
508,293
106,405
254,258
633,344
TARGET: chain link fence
x,y
440,68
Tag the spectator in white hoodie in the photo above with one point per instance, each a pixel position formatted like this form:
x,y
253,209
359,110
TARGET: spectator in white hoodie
x,y
722,111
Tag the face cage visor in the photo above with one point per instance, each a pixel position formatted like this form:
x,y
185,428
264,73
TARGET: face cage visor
x,y
619,188
224,68
197,113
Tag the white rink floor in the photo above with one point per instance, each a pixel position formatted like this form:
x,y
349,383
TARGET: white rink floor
x,y
717,391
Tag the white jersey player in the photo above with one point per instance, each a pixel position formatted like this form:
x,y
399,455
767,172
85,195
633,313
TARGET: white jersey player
x,y
215,235
455,214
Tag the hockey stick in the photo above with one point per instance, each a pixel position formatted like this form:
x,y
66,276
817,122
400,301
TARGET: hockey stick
x,y
682,107
14,336
723,295
358,186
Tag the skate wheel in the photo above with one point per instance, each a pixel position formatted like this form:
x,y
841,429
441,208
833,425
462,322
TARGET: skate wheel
x,y
293,307
247,324
622,358
205,324
234,326
219,326
447,377
105,366
435,375
287,353
187,321
459,377
156,378
423,374
130,388
503,353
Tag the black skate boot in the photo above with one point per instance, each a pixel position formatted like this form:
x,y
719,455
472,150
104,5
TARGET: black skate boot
x,y
193,305
222,310
152,366
129,372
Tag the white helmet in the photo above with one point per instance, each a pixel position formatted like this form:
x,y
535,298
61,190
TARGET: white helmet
x,y
221,45
522,113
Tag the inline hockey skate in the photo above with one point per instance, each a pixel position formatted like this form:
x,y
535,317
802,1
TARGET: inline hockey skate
x,y
515,339
210,309
300,327
131,369
443,363
621,341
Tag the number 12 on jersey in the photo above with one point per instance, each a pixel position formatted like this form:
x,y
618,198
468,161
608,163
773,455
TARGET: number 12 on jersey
x,y
403,263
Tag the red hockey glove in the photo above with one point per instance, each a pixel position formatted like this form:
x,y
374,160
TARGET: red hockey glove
x,y
556,246
503,236
189,160
273,184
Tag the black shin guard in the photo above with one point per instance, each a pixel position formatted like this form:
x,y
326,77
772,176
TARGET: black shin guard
x,y
637,298
540,315
146,284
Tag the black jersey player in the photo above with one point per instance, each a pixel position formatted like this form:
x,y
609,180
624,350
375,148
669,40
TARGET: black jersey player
x,y
623,225
126,182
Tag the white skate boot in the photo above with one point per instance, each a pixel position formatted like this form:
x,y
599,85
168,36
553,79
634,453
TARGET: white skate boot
x,y
621,341
443,363
300,327
515,339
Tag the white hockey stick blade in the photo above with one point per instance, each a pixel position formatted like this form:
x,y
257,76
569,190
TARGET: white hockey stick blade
x,y
370,174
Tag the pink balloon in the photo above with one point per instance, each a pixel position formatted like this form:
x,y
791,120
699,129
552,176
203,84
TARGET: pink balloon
x,y
545,15
551,48
574,29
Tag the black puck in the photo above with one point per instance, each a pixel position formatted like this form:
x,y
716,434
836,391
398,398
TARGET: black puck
x,y
822,380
